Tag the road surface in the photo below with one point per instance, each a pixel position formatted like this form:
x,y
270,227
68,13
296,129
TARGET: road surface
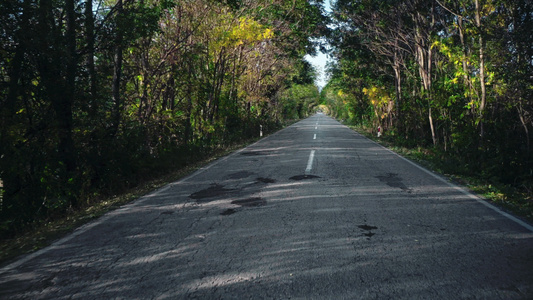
x,y
315,211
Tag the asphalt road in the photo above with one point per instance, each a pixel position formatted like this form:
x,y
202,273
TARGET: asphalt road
x,y
315,211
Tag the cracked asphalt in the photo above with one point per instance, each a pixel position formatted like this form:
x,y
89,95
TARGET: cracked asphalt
x,y
271,221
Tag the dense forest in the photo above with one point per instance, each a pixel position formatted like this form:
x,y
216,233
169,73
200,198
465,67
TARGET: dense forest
x,y
98,95
452,76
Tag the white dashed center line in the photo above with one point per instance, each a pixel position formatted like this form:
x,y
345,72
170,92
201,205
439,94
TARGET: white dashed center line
x,y
310,162
314,137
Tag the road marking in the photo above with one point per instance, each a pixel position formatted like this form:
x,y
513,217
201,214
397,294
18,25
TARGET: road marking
x,y
310,162
316,127
314,137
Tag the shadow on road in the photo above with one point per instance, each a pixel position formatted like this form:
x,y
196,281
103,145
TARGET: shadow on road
x,y
364,230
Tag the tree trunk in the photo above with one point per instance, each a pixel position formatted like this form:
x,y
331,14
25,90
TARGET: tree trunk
x,y
483,97
398,87
430,92
524,122
117,72
60,90
66,143
466,75
424,58
431,126
89,40
57,69
188,113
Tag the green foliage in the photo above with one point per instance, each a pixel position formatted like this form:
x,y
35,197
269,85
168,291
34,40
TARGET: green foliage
x,y
299,101
457,75
94,102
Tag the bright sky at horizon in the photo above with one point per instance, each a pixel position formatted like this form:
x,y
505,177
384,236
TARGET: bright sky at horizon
x,y
319,62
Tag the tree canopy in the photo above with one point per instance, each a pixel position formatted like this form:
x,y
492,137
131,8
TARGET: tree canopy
x,y
456,76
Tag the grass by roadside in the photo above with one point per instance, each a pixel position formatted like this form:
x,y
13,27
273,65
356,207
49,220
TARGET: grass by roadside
x,y
45,234
509,198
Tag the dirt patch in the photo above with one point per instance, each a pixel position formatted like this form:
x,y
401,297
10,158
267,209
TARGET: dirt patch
x,y
250,202
213,191
303,177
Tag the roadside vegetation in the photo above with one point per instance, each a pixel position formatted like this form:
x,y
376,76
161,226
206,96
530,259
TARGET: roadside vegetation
x,y
43,232
448,82
100,97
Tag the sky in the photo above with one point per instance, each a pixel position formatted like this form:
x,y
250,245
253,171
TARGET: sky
x,y
319,61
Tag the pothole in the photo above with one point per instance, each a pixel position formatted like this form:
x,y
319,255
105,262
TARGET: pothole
x,y
212,191
167,212
392,180
250,202
240,175
227,212
265,180
254,153
367,227
303,177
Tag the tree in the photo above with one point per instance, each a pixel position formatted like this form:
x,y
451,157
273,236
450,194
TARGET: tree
x,y
459,69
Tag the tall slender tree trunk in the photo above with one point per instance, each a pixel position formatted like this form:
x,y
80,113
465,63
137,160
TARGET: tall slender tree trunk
x,y
70,90
233,90
398,87
424,71
522,117
218,79
483,98
424,57
188,112
117,72
430,91
59,87
89,40
466,76
57,69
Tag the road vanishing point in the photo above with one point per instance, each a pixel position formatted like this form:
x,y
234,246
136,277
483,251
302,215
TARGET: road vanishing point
x,y
314,211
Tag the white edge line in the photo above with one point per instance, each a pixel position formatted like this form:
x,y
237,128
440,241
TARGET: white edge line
x,y
310,162
84,228
455,187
